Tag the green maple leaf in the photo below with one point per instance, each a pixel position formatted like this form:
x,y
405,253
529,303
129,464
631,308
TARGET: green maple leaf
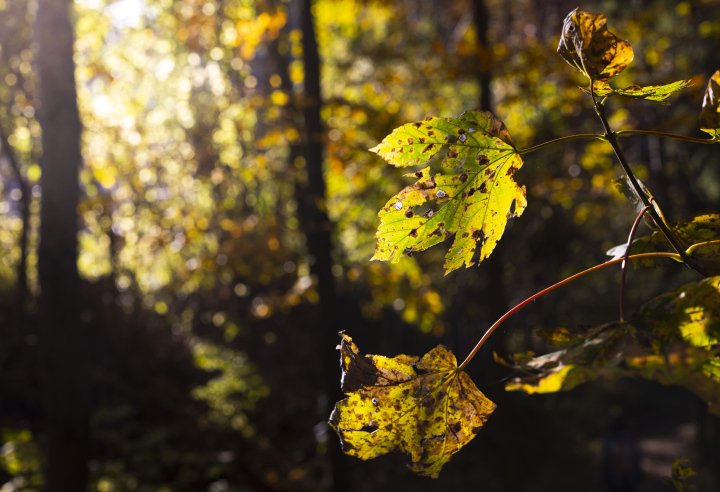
x,y
474,200
391,407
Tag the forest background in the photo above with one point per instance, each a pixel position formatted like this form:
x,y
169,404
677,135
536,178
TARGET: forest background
x,y
224,218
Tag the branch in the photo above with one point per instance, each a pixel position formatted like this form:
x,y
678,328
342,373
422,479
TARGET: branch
x,y
505,316
612,140
562,139
622,133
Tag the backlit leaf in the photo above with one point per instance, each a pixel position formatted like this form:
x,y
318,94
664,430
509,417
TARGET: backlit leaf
x,y
710,114
473,201
587,44
429,415
673,340
655,93
680,471
701,228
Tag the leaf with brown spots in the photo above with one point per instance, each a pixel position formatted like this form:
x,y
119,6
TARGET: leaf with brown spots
x,y
475,200
391,407
674,339
587,45
654,93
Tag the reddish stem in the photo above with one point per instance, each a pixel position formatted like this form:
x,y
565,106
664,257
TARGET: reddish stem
x,y
505,316
625,262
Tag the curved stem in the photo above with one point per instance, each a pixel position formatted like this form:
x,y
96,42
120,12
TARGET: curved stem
x,y
612,140
696,246
562,139
505,316
622,133
625,262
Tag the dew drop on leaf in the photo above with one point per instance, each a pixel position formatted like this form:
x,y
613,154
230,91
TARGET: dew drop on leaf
x,y
375,401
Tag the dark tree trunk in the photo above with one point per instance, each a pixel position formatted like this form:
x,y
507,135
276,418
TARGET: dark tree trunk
x,y
480,18
317,226
65,386
493,293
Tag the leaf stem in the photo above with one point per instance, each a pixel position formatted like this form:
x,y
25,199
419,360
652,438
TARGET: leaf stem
x,y
622,133
625,262
505,316
612,140
562,139
696,246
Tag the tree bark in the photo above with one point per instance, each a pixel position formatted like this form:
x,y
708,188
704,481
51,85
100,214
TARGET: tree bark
x,y
318,227
65,384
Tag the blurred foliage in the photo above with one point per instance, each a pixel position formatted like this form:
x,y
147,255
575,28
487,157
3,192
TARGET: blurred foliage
x,y
200,304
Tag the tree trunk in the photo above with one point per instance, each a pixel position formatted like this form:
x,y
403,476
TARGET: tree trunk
x,y
65,384
318,228
494,293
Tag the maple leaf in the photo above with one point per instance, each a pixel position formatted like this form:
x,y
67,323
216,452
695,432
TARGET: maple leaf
x,y
587,45
429,415
475,200
673,340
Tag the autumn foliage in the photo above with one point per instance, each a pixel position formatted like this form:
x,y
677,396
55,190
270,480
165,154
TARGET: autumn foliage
x,y
673,339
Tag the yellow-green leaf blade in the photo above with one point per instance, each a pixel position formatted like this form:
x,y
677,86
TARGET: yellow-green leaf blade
x,y
429,416
473,202
416,143
485,217
655,93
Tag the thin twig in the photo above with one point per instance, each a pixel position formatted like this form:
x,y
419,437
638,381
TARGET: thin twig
x,y
562,139
505,316
625,262
612,140
622,133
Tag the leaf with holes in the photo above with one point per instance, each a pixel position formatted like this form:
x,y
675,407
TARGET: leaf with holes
x,y
654,93
428,409
474,201
673,340
587,45
710,114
